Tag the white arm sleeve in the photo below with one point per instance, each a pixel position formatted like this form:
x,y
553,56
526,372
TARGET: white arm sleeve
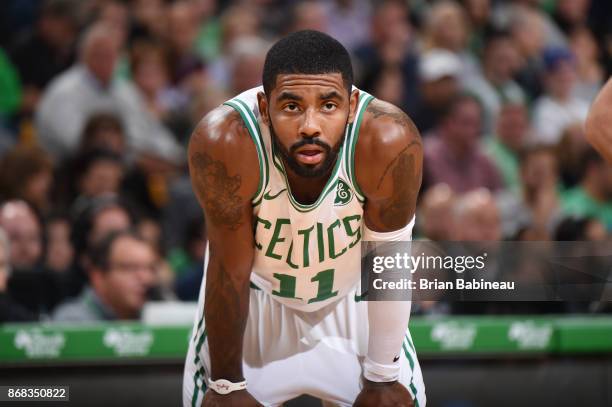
x,y
388,321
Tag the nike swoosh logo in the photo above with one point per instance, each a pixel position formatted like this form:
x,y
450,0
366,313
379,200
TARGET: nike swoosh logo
x,y
269,197
395,359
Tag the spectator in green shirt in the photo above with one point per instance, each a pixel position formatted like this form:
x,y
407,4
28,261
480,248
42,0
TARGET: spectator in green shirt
x,y
593,195
10,87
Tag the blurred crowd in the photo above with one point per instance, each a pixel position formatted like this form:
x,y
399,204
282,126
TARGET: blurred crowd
x,y
98,99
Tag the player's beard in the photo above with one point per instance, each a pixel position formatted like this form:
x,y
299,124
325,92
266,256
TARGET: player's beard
x,y
305,170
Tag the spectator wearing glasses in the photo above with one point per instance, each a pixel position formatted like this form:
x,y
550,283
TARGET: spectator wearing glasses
x,y
121,274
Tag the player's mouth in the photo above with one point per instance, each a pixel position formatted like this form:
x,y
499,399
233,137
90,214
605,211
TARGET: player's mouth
x,y
310,155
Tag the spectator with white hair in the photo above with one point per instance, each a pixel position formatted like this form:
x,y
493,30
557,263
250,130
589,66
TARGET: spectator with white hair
x,y
24,232
30,285
90,87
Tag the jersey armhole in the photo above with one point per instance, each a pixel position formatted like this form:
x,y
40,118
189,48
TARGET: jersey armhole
x,y
252,126
364,101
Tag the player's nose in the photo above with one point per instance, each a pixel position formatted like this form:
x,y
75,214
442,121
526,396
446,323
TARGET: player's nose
x,y
310,124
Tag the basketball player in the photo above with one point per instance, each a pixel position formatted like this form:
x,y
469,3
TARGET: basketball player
x,y
599,122
291,177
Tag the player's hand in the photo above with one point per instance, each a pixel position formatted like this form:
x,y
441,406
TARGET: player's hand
x,y
234,399
383,395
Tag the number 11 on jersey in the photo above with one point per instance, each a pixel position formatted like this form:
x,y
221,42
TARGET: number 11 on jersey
x,y
324,278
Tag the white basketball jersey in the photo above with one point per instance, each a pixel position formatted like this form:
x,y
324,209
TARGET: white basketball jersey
x,y
306,256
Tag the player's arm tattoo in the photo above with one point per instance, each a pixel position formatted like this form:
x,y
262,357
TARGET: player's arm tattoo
x,y
226,309
218,189
404,169
406,180
398,116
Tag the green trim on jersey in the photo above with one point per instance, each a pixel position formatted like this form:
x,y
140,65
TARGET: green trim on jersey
x,y
411,360
200,373
253,127
364,100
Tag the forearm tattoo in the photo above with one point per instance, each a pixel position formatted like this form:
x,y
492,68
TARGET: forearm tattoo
x,y
218,190
406,182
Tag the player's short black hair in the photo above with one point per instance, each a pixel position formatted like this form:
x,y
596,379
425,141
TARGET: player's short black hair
x,y
307,52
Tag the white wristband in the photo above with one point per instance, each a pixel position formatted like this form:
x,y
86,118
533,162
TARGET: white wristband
x,y
223,386
376,372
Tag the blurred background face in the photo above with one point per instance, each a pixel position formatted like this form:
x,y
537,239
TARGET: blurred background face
x,y
389,86
390,24
463,126
24,233
478,219
103,131
102,177
310,16
448,26
439,92
101,53
109,220
150,231
150,14
573,10
247,70
131,274
501,60
560,80
116,15
151,75
36,189
539,169
479,11
512,125
60,252
238,22
583,45
528,33
111,139
182,27
436,212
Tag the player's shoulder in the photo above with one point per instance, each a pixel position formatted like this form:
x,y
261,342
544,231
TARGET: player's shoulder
x,y
222,141
223,128
385,130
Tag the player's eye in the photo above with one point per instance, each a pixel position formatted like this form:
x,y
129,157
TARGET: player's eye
x,y
290,107
329,107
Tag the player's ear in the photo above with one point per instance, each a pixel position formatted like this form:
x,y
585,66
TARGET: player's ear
x,y
353,102
262,102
